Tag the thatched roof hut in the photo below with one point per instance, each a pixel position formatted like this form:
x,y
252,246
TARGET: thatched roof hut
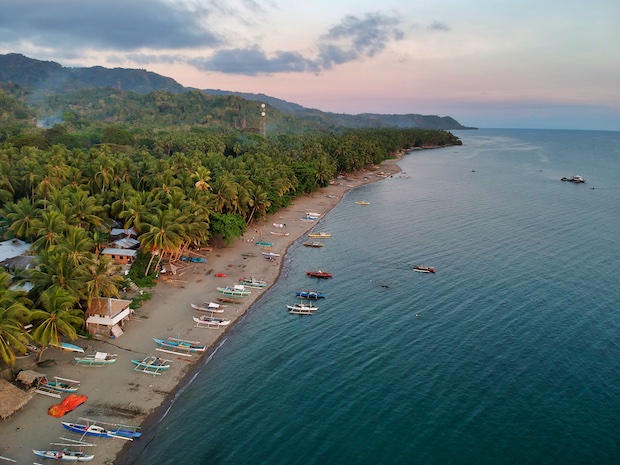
x,y
12,399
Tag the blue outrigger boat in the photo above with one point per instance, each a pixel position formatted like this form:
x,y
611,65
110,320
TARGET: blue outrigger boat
x,y
310,295
92,428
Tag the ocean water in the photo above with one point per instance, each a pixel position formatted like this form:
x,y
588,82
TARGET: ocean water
x,y
509,354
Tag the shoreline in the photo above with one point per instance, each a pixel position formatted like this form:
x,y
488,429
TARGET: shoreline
x,y
117,394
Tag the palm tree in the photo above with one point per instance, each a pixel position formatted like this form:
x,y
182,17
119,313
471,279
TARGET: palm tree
x,y
49,228
164,235
23,216
58,318
136,207
101,279
77,244
56,270
13,314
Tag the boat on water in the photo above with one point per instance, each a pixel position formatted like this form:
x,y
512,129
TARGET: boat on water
x,y
302,309
97,359
151,365
320,235
211,307
238,290
204,321
316,244
313,295
68,347
576,179
362,202
319,274
95,429
265,243
253,282
177,346
424,269
64,454
270,254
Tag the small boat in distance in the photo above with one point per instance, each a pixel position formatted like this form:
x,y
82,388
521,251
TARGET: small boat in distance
x,y
314,295
313,244
576,179
270,254
319,274
313,215
362,202
277,233
424,269
64,454
265,243
319,235
308,218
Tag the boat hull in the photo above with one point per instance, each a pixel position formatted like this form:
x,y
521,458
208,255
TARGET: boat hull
x,y
69,456
98,431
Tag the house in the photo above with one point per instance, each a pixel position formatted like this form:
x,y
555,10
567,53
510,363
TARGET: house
x,y
120,233
106,317
126,243
12,249
120,256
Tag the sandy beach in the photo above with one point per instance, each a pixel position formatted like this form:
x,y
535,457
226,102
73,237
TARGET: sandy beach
x,y
118,394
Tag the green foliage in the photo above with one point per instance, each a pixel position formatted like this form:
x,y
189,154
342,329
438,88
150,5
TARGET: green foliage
x,y
137,270
228,226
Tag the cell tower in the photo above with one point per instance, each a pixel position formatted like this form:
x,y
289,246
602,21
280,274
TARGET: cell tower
x,y
263,120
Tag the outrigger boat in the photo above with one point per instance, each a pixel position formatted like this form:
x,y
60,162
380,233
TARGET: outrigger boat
x,y
151,365
319,235
270,255
265,244
319,274
57,385
204,321
314,295
313,215
253,283
362,202
313,244
64,454
302,309
93,428
238,290
424,269
210,307
68,347
308,218
278,233
98,359
177,346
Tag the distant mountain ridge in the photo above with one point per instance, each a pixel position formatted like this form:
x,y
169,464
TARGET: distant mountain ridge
x,y
48,77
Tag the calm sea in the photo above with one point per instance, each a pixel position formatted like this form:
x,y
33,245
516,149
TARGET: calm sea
x,y
509,354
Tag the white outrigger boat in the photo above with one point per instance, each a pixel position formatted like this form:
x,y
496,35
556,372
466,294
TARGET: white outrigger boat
x,y
209,307
56,386
99,359
302,309
151,365
204,321
177,346
238,290
64,454
253,283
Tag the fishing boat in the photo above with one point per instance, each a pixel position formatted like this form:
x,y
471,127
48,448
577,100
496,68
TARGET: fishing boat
x,y
151,365
98,359
314,295
265,243
308,218
253,282
209,307
277,233
319,274
250,255
316,244
177,346
320,235
424,269
362,202
270,254
204,321
313,215
302,309
93,428
576,179
68,347
64,454
55,386
238,290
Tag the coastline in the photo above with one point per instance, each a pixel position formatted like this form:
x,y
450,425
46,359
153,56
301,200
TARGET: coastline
x,y
117,393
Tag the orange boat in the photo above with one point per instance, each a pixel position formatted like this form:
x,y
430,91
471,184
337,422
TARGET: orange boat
x,y
319,274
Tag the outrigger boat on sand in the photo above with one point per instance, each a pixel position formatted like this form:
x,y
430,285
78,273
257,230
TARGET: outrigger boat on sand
x,y
278,233
98,359
93,428
253,283
209,307
151,365
64,454
204,321
68,347
270,255
238,290
265,244
177,346
57,385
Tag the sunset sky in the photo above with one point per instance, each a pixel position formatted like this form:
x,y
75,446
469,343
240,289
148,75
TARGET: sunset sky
x,y
516,64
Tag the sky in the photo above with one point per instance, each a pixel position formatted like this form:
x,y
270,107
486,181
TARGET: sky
x,y
546,64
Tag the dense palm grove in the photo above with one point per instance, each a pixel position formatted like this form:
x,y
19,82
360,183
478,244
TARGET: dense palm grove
x,y
178,188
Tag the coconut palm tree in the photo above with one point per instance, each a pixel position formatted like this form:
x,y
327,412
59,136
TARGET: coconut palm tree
x,y
57,318
101,279
164,235
13,314
49,228
23,216
56,270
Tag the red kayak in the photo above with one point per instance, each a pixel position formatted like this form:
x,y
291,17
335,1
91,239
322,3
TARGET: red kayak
x,y
319,274
220,275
